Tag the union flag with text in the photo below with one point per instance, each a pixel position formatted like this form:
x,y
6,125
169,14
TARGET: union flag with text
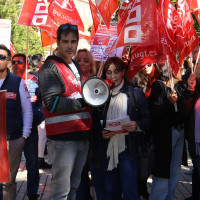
x,y
64,11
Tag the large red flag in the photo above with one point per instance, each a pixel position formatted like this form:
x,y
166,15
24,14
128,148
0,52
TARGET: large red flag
x,y
195,8
106,9
64,11
138,25
4,165
197,15
34,13
186,36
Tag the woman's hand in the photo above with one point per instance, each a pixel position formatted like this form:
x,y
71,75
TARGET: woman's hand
x,y
173,97
107,134
130,127
191,81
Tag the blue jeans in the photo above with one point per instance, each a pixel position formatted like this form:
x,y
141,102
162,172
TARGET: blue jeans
x,y
31,155
68,161
123,180
164,188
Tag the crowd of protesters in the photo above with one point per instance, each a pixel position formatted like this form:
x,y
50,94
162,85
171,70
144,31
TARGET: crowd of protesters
x,y
162,109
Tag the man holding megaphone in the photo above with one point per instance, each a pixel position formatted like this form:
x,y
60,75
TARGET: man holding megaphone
x,y
67,116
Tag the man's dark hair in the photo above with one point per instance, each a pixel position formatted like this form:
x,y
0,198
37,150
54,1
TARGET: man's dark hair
x,y
20,55
3,47
66,29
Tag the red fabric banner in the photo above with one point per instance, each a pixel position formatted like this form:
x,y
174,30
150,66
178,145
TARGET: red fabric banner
x,y
197,15
194,4
34,13
4,165
95,18
12,50
106,9
46,38
64,11
186,36
168,27
138,25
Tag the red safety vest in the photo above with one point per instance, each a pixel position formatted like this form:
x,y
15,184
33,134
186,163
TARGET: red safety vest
x,y
68,122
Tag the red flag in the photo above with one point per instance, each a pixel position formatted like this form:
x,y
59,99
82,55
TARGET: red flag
x,y
138,25
186,36
46,38
64,11
197,15
168,16
125,6
95,17
4,164
12,50
106,9
194,4
34,13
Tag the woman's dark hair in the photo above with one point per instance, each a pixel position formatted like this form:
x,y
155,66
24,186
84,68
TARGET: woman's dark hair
x,y
119,64
35,59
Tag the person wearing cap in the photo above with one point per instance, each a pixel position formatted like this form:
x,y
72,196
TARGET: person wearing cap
x,y
67,117
19,117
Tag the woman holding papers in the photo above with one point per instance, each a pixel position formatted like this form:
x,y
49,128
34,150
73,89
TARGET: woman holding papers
x,y
114,170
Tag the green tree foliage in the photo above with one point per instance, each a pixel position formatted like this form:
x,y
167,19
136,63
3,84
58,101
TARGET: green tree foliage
x,y
10,9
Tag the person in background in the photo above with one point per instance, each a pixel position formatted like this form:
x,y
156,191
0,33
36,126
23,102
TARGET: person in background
x,y
67,117
168,133
19,117
114,171
31,146
35,64
193,129
86,63
145,79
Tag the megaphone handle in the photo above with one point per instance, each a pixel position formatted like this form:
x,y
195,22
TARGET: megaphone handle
x,y
100,69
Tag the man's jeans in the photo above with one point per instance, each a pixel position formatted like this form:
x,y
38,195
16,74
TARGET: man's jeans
x,y
68,161
1,192
164,188
31,155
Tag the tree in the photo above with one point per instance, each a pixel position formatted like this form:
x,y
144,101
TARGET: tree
x,y
10,9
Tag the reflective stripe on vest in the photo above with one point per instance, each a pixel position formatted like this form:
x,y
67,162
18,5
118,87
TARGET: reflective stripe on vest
x,y
69,117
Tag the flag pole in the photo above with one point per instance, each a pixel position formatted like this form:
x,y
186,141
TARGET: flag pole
x,y
51,36
100,69
27,39
171,82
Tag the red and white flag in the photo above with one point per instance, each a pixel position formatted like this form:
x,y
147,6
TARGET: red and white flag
x,y
186,36
138,25
106,9
168,18
4,164
34,13
12,50
64,11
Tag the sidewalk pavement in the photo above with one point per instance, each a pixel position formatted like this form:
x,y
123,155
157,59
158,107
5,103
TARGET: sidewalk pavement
x,y
183,189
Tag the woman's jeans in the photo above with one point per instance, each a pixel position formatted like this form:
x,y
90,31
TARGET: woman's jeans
x,y
111,185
